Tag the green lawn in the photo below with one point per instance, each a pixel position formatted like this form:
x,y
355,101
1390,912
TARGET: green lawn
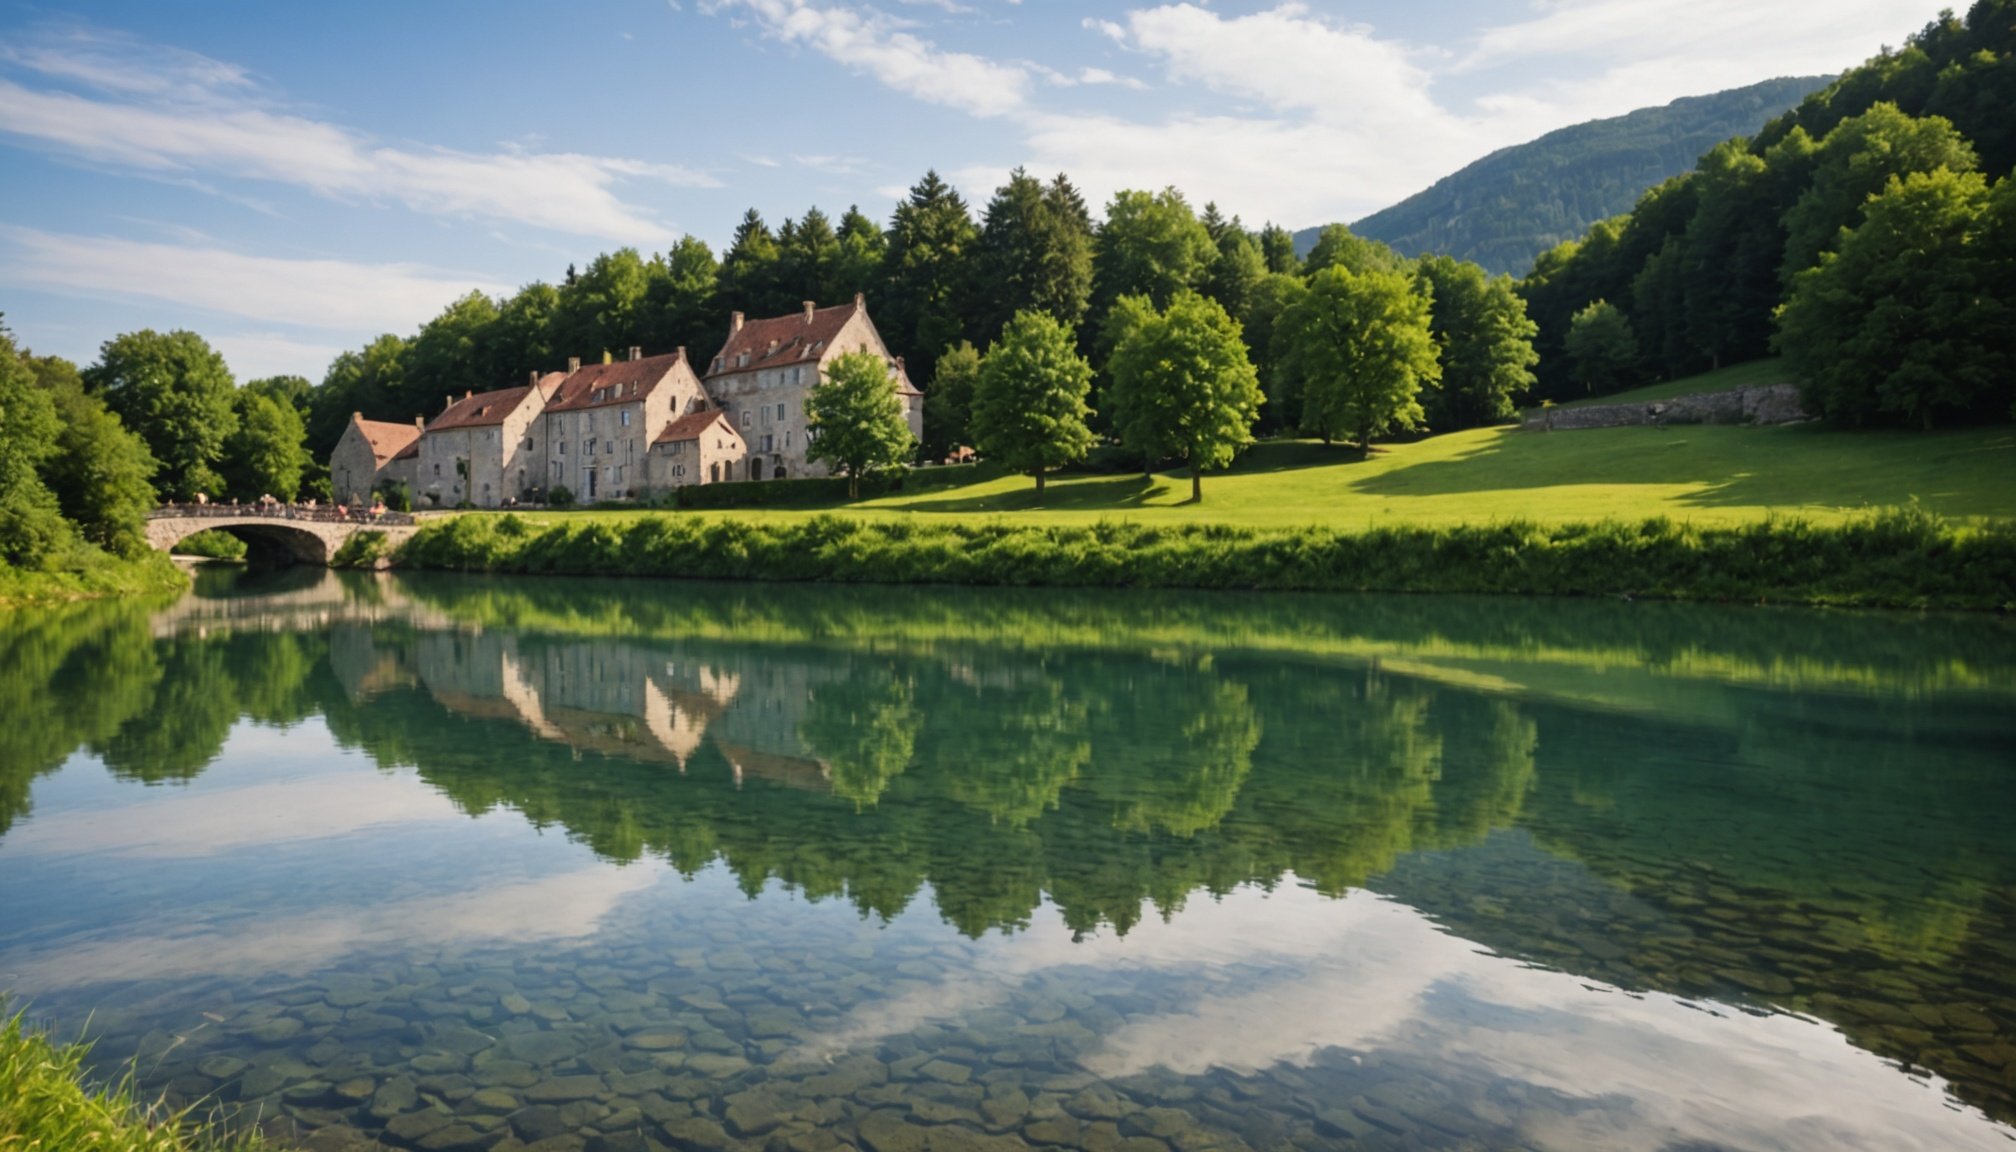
x,y
1706,474
1757,373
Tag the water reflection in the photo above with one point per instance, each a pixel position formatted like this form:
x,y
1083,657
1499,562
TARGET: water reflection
x,y
1270,849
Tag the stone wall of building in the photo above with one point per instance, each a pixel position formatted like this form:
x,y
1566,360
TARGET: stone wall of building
x,y
353,468
1768,404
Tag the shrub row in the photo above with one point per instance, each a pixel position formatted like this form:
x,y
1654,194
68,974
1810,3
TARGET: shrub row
x,y
1893,559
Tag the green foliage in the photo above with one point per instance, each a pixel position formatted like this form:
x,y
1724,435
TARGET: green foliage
x,y
1029,404
855,418
948,411
396,495
50,1105
865,729
1855,162
1277,247
1895,326
265,455
211,545
600,309
560,496
370,380
1152,245
1184,387
1362,349
99,471
363,549
1602,348
175,392
297,392
1338,247
1237,270
453,352
1898,558
1501,212
32,529
1486,344
931,245
1034,254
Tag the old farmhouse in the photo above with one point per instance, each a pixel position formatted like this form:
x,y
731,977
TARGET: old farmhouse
x,y
627,428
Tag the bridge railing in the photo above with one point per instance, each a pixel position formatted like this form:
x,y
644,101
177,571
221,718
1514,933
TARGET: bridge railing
x,y
321,513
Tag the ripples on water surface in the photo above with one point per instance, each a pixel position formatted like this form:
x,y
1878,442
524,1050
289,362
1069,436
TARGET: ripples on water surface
x,y
468,864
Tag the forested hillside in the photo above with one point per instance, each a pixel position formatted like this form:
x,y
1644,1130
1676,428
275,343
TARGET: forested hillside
x,y
1506,209
1869,235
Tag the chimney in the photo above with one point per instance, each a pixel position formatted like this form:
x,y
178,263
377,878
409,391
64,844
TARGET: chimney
x,y
356,416
809,306
573,365
535,378
420,423
860,301
899,364
447,402
636,353
681,354
734,323
606,358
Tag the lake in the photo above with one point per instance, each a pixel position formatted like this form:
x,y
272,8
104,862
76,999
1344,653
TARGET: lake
x,y
464,863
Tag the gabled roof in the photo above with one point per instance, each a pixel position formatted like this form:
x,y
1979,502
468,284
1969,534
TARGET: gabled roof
x,y
481,409
782,340
387,440
619,382
691,425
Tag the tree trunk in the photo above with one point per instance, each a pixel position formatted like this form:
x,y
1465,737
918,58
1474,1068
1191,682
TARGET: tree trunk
x,y
1196,484
1039,485
853,485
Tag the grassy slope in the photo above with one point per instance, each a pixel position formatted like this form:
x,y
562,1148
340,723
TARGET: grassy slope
x,y
1706,475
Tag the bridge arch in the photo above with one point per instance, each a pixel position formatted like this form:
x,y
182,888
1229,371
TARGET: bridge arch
x,y
304,537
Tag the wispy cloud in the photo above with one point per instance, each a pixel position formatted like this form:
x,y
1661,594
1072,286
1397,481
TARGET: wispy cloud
x,y
338,295
177,115
878,45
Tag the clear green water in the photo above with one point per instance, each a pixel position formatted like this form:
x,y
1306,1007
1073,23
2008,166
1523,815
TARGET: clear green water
x,y
491,864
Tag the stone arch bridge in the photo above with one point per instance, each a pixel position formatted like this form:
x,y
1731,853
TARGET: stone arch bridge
x,y
292,534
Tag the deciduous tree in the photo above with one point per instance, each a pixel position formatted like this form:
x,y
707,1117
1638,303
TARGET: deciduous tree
x,y
175,391
857,419
1486,343
1602,349
948,404
1183,386
1029,404
265,455
1362,349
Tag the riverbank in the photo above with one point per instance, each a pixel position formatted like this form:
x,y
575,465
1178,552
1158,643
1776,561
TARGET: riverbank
x,y
1891,559
46,1105
102,576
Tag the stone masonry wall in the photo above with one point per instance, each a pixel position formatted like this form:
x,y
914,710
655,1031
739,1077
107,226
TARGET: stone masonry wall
x,y
1769,404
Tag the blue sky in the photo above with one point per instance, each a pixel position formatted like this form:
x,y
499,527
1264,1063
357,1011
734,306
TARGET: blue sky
x,y
290,180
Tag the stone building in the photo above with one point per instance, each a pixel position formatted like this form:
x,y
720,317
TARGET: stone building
x,y
485,449
768,367
367,457
697,448
601,424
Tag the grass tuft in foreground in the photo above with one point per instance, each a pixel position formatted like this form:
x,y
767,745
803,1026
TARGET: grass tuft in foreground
x,y
45,1106
1902,558
93,575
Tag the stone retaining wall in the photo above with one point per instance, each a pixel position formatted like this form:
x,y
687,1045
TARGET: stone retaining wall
x,y
1768,404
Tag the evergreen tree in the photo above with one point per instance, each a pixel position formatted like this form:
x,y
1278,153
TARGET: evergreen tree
x,y
856,419
1277,245
1183,386
751,271
1902,322
1362,349
931,245
948,405
809,252
1034,252
175,391
1029,409
863,249
1602,348
1236,271
1486,341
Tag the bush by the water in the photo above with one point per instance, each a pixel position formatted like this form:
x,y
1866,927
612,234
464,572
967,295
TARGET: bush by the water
x,y
1900,558
45,1105
363,549
212,545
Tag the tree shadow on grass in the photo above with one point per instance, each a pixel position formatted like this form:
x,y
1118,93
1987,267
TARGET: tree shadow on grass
x,y
1076,494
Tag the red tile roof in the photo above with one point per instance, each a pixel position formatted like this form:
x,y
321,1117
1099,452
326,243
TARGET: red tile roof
x,y
387,440
691,425
783,340
409,451
620,382
482,409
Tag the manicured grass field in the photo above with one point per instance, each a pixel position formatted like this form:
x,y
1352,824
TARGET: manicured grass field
x,y
1757,373
1704,474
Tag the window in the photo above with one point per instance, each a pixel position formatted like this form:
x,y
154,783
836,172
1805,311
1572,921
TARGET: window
x,y
528,442
745,417
768,446
563,448
787,439
437,468
780,408
626,417
591,446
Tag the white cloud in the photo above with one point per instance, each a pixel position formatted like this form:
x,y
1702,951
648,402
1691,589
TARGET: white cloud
x,y
330,294
871,42
180,116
